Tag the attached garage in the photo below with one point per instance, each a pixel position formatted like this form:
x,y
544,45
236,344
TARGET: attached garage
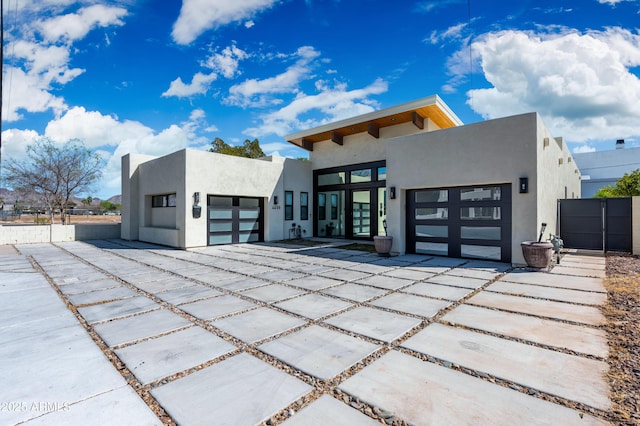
x,y
234,219
468,222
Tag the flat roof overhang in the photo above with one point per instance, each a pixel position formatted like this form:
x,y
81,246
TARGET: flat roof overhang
x,y
414,112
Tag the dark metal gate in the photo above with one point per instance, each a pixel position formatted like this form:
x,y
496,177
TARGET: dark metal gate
x,y
596,223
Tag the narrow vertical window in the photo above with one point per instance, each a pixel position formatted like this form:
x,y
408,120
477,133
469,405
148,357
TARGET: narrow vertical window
x,y
288,205
304,206
334,206
322,206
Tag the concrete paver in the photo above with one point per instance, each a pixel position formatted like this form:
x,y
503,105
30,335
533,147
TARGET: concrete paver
x,y
318,351
314,282
314,306
438,291
192,293
411,304
115,293
117,309
382,281
329,411
217,306
258,324
241,390
160,357
517,330
356,292
272,293
51,368
555,280
545,308
568,376
100,283
374,323
586,340
446,397
467,282
137,327
552,293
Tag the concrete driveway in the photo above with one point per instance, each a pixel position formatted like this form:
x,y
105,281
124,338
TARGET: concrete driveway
x,y
111,332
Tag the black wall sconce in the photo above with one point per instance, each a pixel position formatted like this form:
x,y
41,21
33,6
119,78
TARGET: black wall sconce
x,y
392,193
275,200
524,185
196,210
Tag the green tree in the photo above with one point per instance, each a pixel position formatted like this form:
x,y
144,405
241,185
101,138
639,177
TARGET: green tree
x,y
55,173
627,186
87,201
108,206
250,149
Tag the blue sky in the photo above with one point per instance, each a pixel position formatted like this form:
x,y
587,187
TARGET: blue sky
x,y
152,77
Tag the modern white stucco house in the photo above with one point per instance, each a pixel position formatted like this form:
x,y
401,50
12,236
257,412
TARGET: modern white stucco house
x,y
442,187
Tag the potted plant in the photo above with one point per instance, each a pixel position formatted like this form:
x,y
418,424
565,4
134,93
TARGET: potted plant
x,y
384,242
537,254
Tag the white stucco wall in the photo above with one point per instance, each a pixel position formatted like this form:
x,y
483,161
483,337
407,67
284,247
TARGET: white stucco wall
x,y
297,177
558,177
361,147
130,195
56,233
491,152
189,171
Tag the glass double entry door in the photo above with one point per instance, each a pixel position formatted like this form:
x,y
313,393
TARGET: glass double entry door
x,y
353,213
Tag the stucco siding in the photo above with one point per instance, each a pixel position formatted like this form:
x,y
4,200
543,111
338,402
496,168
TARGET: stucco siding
x,y
492,152
361,147
558,177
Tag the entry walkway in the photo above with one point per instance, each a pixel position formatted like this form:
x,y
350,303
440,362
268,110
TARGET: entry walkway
x,y
296,335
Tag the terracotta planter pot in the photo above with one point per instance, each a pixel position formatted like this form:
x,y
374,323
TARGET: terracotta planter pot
x,y
537,254
383,244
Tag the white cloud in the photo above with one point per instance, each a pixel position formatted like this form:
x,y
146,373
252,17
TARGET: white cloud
x,y
75,26
38,54
257,93
333,104
227,61
431,5
113,138
198,16
199,85
452,33
28,92
581,84
249,24
583,148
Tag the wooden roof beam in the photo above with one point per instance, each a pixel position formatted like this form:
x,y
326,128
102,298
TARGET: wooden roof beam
x,y
418,120
336,138
373,130
307,144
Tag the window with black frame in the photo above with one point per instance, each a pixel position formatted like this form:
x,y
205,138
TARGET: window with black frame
x,y
304,206
322,206
288,205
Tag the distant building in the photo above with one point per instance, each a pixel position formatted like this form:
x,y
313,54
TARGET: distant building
x,y
602,168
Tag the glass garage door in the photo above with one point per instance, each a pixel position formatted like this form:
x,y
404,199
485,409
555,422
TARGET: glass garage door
x,y
234,219
469,222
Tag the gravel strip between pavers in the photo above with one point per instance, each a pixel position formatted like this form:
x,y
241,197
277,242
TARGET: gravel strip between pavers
x,y
320,387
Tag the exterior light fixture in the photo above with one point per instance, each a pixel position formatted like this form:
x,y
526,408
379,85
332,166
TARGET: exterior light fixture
x,y
196,211
275,200
392,193
524,185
